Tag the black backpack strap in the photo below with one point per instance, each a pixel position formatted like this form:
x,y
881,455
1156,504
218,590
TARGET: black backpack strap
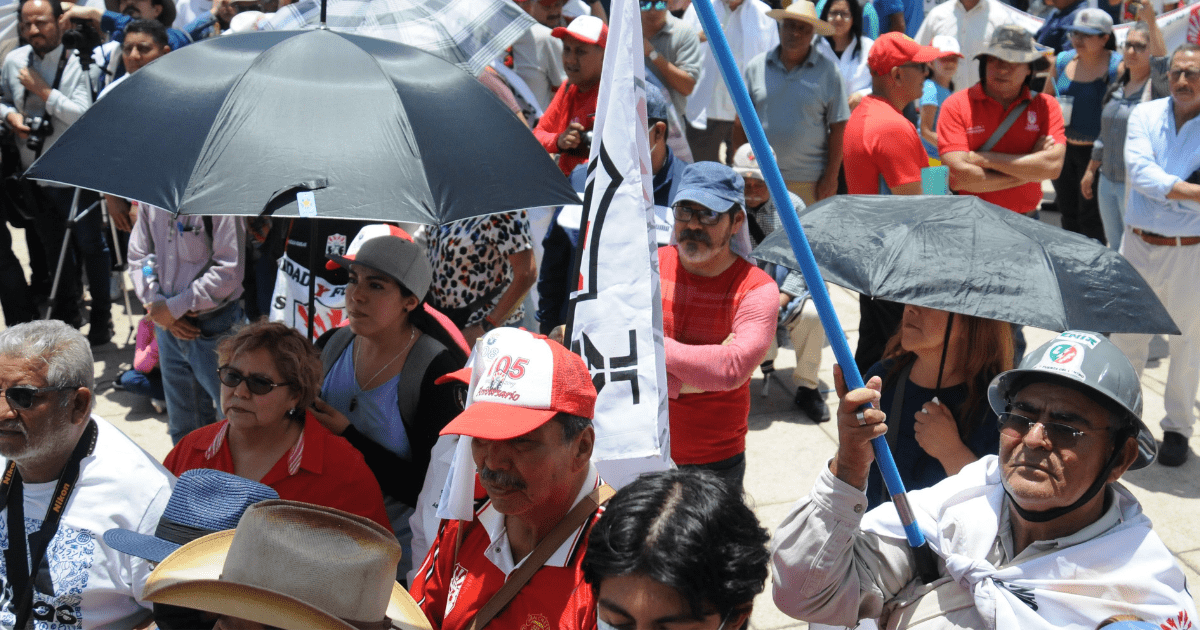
x,y
408,390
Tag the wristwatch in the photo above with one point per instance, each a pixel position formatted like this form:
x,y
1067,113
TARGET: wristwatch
x,y
653,56
487,324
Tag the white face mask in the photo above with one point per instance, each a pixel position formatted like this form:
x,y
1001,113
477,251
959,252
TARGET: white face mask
x,y
604,625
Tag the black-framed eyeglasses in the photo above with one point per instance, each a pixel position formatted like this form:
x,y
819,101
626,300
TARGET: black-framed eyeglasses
x,y
1136,46
258,384
1191,73
683,214
1015,425
22,396
653,5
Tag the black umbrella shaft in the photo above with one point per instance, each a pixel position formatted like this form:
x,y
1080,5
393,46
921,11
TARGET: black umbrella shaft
x,y
312,265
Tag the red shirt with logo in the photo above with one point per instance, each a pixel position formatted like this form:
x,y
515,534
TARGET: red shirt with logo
x,y
882,149
968,118
452,591
570,105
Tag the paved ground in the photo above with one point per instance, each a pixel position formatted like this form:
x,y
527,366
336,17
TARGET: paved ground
x,y
784,449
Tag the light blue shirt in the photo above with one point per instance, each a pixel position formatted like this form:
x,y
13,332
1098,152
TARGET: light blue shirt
x,y
377,413
1158,156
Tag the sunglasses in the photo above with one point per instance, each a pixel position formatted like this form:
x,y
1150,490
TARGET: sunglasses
x,y
683,214
257,384
22,396
653,5
1015,425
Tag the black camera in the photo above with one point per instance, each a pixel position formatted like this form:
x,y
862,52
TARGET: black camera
x,y
83,37
39,129
584,148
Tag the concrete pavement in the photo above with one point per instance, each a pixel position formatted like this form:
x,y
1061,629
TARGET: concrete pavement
x,y
784,449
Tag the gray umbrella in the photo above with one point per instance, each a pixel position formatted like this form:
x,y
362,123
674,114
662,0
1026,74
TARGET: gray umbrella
x,y
240,124
964,255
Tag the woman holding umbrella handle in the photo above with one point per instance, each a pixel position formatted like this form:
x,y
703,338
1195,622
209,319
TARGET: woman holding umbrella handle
x,y
935,374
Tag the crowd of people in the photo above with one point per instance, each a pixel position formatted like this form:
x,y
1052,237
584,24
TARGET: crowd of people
x,y
383,473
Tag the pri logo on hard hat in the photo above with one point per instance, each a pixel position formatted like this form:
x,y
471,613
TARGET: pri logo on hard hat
x,y
1064,358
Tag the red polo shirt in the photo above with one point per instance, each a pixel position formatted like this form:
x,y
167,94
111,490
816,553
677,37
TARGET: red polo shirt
x,y
881,149
968,118
321,468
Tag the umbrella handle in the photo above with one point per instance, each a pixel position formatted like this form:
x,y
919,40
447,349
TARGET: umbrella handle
x,y
803,252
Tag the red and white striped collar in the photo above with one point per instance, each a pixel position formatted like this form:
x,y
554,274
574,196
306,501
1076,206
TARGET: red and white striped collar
x,y
294,455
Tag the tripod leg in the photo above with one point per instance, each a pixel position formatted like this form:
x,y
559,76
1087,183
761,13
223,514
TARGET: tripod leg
x,y
62,253
120,262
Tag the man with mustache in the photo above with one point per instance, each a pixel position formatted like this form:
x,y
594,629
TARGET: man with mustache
x,y
68,476
528,430
718,321
1041,536
1162,153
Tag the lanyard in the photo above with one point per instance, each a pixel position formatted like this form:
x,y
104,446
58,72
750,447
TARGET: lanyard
x,y
20,577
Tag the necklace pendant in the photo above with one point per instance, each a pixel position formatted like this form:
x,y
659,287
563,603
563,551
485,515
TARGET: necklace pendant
x,y
354,403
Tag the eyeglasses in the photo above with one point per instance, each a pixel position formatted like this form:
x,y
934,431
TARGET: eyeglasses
x,y
653,5
257,384
683,214
1015,425
839,15
21,396
1191,73
1136,46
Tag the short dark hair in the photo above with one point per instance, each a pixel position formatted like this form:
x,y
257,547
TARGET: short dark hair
x,y
685,529
153,28
572,426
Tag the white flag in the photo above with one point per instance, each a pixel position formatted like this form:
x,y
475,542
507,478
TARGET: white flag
x,y
615,320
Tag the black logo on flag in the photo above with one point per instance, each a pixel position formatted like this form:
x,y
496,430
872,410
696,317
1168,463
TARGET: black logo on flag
x,y
610,369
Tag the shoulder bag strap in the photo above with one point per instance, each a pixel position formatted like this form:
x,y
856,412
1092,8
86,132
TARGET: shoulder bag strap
x,y
1005,125
576,517
893,432
408,390
334,348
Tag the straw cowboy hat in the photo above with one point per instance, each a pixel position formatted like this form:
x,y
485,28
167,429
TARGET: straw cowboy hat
x,y
804,11
293,566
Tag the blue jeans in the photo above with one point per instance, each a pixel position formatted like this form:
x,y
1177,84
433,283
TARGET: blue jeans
x,y
189,373
1111,197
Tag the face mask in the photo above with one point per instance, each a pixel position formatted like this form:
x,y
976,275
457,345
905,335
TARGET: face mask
x,y
604,625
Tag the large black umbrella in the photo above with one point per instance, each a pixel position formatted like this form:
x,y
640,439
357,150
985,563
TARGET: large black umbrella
x,y
240,124
964,255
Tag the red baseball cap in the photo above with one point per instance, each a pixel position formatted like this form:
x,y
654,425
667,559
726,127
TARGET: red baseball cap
x,y
524,380
585,28
896,49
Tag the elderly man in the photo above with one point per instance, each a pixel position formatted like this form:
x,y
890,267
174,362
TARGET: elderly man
x,y
1162,227
999,139
1041,536
69,476
719,313
801,98
529,425
43,90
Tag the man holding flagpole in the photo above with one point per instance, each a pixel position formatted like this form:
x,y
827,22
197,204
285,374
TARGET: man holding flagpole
x,y
718,321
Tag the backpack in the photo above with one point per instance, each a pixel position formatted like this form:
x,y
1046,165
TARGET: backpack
x,y
409,388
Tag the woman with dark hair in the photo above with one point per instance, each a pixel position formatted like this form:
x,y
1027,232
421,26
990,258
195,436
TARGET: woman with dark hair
x,y
1083,77
380,390
270,375
847,48
936,372
676,547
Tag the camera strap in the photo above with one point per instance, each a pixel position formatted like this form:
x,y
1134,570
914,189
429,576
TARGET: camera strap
x,y
62,64
20,577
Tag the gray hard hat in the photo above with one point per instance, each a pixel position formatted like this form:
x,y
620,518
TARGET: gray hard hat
x,y
1087,361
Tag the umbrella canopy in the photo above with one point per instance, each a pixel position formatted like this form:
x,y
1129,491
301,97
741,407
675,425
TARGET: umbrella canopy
x,y
240,124
468,33
964,255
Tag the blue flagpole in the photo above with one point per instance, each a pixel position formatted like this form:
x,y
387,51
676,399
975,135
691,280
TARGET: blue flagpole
x,y
803,252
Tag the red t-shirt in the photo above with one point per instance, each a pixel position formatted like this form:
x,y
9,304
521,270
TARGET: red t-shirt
x,y
710,426
570,105
451,592
322,468
881,149
968,118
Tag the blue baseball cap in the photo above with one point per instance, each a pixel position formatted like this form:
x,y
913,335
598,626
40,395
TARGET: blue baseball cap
x,y
656,103
712,185
204,502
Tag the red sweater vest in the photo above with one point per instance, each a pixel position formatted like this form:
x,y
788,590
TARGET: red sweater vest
x,y
711,426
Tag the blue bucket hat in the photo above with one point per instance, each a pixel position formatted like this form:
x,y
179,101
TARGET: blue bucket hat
x,y
712,185
204,502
